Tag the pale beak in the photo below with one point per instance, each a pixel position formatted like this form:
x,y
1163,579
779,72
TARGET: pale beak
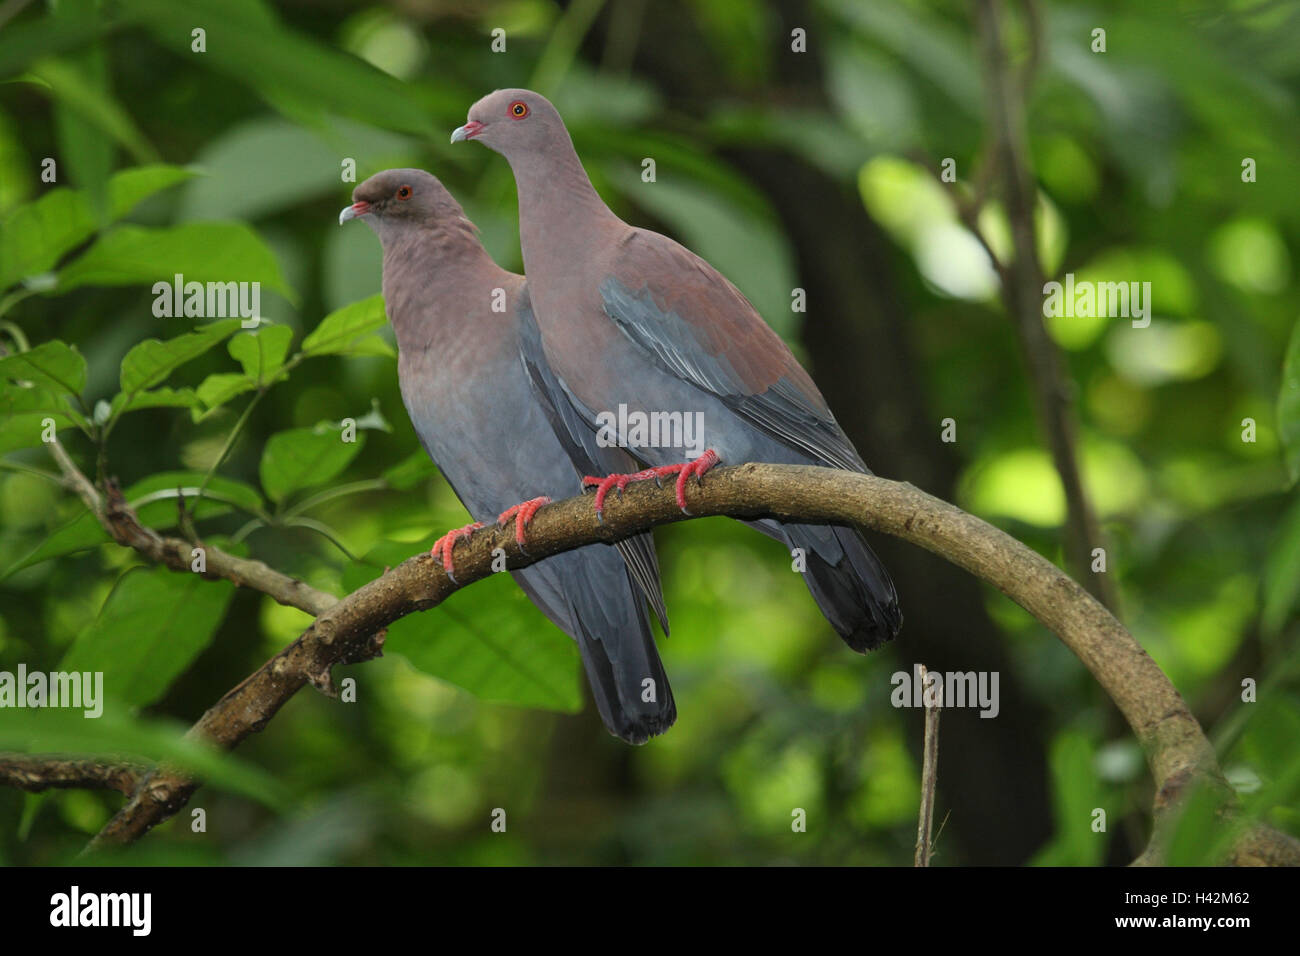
x,y
351,212
468,131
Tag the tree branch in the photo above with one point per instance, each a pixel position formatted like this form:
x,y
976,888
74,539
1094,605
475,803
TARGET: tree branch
x,y
41,772
929,767
124,526
351,630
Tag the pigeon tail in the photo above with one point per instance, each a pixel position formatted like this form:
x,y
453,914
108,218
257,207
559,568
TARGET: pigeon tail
x,y
590,595
623,673
847,580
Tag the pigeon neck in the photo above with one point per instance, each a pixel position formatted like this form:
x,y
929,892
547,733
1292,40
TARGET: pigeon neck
x,y
434,273
559,209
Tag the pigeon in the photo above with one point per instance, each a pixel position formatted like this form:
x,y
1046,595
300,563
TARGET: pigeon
x,y
636,329
479,415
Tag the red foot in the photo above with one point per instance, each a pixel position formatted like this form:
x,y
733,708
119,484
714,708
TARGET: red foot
x,y
523,514
683,471
442,548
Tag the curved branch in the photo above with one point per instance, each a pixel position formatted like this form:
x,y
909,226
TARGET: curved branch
x,y
351,630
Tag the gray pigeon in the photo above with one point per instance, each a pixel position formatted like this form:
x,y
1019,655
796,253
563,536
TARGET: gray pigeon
x,y
458,318
637,328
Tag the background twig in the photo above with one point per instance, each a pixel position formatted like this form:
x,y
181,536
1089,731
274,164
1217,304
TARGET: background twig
x,y
929,769
1022,287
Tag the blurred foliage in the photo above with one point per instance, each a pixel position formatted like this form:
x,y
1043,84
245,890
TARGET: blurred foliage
x,y
226,164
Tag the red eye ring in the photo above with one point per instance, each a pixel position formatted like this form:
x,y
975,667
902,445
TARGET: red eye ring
x,y
404,192
518,109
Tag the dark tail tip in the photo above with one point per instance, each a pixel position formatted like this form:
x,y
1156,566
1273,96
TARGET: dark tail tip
x,y
628,682
886,620
619,691
851,586
639,729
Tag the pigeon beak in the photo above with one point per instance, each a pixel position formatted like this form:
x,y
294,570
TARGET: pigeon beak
x,y
351,212
468,131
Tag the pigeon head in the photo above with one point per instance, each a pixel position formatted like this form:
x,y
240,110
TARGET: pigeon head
x,y
400,199
513,122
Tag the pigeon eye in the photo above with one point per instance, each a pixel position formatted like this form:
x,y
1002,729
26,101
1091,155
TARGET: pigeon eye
x,y
404,192
518,109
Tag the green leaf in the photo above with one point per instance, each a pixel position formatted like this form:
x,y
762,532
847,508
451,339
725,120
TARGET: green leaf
x,y
24,409
34,237
489,639
266,165
86,153
304,457
162,514
1282,574
94,105
54,364
78,534
931,45
302,77
262,352
16,399
874,97
152,626
23,43
1288,406
339,332
199,251
410,471
370,345
25,430
158,398
130,187
219,388
151,361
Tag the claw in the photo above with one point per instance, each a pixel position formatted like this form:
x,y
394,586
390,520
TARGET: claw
x,y
683,471
442,548
523,515
603,486
697,468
